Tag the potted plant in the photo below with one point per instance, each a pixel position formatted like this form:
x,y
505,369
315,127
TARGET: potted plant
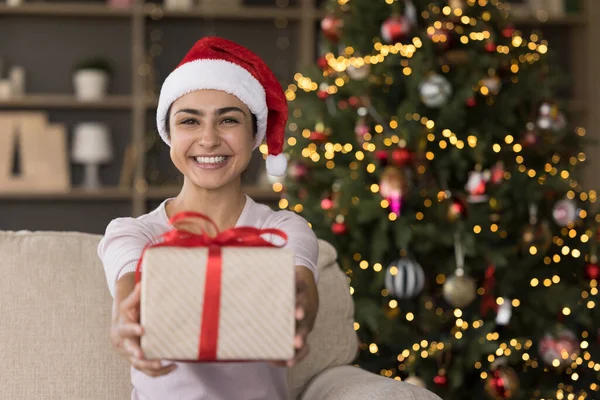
x,y
91,79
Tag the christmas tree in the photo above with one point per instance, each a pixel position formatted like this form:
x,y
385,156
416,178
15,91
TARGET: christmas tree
x,y
429,146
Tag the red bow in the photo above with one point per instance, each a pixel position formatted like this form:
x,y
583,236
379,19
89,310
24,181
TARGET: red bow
x,y
237,237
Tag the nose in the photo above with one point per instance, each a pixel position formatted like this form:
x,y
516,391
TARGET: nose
x,y
209,137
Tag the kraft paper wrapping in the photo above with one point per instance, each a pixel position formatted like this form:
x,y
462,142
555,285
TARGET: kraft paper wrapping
x,y
256,320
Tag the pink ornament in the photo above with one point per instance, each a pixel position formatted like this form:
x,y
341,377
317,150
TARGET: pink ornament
x,y
326,204
558,346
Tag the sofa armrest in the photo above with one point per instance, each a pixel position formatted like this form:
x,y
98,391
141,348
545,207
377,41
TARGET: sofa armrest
x,y
352,383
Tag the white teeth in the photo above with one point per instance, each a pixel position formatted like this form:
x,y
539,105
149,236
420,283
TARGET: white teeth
x,y
210,160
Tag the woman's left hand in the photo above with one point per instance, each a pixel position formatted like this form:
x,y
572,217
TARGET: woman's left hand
x,y
307,304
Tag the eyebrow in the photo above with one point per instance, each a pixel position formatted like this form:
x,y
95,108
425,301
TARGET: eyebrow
x,y
218,111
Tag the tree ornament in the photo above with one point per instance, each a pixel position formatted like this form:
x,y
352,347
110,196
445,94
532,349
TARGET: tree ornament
x,y
471,102
492,83
358,73
497,173
508,32
556,347
382,156
332,26
488,300
326,204
435,91
457,208
297,170
459,289
416,381
531,136
490,47
322,63
323,92
354,101
401,156
395,28
537,235
361,129
564,212
339,227
551,118
441,379
404,278
477,184
502,383
592,270
318,137
393,186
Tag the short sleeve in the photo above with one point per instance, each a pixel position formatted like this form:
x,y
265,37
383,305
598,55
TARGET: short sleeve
x,y
302,241
121,247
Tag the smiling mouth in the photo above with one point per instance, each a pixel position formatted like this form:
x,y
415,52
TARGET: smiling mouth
x,y
212,162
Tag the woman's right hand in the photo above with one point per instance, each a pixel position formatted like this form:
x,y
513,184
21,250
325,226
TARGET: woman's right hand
x,y
126,332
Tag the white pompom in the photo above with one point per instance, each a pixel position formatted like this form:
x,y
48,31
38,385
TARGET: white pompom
x,y
277,165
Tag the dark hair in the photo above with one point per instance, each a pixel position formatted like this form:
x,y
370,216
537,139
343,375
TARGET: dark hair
x,y
168,123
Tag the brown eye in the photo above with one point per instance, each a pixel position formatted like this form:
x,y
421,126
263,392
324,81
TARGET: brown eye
x,y
230,120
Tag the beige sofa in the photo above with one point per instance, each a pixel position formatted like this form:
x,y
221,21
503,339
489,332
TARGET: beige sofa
x,y
54,337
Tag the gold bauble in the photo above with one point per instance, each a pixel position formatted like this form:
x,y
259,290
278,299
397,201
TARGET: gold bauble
x,y
459,290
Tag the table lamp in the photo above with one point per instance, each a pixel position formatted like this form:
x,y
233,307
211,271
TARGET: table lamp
x,y
91,147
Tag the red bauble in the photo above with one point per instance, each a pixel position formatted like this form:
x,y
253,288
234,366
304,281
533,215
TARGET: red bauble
x,y
490,47
322,94
471,102
401,157
508,32
318,137
381,155
342,104
322,63
331,26
502,383
592,271
441,380
354,101
339,228
395,28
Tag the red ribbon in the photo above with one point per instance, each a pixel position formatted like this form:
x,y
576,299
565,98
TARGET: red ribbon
x,y
488,302
236,237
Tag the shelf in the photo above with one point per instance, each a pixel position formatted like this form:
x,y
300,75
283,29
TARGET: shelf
x,y
108,193
156,12
67,101
256,192
73,9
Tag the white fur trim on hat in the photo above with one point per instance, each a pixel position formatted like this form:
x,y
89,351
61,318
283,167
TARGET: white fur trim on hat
x,y
277,165
216,75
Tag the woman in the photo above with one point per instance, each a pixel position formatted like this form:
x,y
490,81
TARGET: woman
x,y
214,109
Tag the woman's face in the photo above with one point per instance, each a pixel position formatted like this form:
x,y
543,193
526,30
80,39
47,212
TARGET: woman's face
x,y
211,137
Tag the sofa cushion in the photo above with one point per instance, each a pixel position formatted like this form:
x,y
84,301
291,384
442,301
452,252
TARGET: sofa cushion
x,y
55,312
333,341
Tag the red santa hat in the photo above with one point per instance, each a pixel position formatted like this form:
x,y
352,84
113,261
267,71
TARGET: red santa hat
x,y
219,64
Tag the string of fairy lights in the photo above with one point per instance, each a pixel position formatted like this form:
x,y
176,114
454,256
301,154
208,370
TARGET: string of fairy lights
x,y
447,140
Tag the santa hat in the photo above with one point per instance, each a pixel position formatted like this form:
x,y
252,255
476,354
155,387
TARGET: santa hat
x,y
219,64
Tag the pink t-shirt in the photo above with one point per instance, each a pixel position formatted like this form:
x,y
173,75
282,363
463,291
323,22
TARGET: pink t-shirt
x,y
120,249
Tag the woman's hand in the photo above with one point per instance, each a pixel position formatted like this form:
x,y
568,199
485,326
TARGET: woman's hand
x,y
307,304
126,332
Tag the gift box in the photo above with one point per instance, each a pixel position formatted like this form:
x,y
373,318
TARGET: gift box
x,y
225,298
